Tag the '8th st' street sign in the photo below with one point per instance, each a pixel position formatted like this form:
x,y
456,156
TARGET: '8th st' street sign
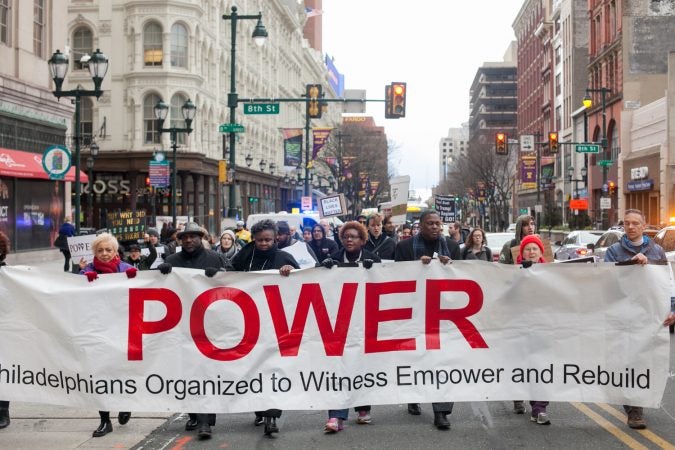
x,y
261,108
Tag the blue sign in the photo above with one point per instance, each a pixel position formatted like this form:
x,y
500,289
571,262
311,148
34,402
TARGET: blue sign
x,y
640,185
335,78
159,172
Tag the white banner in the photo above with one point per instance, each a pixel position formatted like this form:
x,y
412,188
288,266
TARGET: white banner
x,y
319,339
399,198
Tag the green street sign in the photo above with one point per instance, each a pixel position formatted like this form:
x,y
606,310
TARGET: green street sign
x,y
261,108
587,148
231,128
605,162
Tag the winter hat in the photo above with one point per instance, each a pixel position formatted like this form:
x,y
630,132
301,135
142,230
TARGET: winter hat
x,y
135,247
230,233
153,232
240,223
529,239
283,228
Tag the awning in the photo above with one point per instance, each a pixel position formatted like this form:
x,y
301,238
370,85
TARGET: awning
x,y
18,164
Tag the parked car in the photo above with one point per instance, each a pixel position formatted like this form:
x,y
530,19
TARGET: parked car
x,y
575,245
496,241
608,238
666,239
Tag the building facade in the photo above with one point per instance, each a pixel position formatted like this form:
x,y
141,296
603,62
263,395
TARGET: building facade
x,y
450,148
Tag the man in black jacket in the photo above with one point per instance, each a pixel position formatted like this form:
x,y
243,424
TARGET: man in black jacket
x,y
426,245
378,242
193,255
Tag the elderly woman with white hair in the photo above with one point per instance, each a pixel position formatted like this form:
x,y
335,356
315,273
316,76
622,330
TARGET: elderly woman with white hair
x,y
107,260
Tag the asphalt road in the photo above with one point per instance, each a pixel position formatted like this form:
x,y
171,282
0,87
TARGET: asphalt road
x,y
475,425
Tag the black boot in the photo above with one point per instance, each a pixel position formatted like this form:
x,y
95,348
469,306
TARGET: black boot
x,y
414,409
192,422
259,419
441,421
123,417
271,426
4,417
104,428
204,431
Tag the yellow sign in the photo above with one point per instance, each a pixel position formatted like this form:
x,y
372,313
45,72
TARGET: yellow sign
x,y
222,171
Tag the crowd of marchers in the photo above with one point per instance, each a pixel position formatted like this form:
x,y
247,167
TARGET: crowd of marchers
x,y
360,243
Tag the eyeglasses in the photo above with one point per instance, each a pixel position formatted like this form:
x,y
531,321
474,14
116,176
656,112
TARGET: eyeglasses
x,y
352,237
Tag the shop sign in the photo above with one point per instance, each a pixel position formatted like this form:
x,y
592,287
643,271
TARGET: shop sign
x,y
113,186
639,173
640,185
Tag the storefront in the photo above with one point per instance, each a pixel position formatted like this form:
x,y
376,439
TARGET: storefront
x,y
641,184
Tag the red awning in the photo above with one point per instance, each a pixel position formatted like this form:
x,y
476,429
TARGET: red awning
x,y
18,164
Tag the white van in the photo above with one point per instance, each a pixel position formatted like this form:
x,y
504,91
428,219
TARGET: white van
x,y
297,220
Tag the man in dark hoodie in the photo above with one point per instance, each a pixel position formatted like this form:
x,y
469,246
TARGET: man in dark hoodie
x,y
524,227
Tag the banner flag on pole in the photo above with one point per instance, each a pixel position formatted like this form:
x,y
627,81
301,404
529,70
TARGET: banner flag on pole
x,y
292,146
320,137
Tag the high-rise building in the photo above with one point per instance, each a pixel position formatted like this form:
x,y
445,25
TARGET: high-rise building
x,y
450,148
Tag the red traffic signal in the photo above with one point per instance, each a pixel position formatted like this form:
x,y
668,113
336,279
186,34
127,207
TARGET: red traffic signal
x,y
501,144
611,187
553,142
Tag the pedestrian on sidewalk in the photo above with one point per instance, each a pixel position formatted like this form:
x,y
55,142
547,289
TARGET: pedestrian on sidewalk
x,y
4,405
532,252
107,260
636,248
65,231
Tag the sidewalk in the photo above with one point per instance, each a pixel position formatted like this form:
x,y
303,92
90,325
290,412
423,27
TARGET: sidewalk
x,y
37,426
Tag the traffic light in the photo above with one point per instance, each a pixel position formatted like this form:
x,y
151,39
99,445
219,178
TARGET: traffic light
x,y
147,181
314,94
553,142
398,99
501,144
611,187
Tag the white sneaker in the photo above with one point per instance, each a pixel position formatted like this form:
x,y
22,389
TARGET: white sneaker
x,y
541,419
364,418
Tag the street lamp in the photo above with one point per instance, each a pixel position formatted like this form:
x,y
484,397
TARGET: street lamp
x,y
93,153
262,165
249,160
58,67
273,167
571,179
188,110
588,104
259,36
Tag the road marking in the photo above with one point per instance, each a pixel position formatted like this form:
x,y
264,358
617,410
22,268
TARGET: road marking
x,y
658,440
609,427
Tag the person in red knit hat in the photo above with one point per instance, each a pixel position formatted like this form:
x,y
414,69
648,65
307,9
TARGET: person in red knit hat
x,y
531,249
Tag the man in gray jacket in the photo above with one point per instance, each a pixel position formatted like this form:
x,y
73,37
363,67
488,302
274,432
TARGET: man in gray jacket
x,y
636,248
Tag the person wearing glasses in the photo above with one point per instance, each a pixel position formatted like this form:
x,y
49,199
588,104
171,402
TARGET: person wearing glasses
x,y
354,237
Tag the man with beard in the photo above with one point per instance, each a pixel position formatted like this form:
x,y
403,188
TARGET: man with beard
x,y
193,255
426,245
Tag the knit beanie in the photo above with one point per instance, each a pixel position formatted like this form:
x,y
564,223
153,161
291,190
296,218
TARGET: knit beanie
x,y
529,239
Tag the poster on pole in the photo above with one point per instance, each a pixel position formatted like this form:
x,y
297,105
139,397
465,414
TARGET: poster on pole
x,y
446,207
399,198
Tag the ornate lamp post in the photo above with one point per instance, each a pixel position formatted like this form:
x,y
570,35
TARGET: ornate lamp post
x,y
58,67
188,110
259,36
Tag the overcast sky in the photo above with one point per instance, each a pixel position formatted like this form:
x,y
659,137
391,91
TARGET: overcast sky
x,y
436,47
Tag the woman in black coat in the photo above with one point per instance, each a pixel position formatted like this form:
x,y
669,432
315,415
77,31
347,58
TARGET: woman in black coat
x,y
262,253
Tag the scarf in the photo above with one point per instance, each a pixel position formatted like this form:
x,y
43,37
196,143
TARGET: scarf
x,y
113,266
418,247
229,253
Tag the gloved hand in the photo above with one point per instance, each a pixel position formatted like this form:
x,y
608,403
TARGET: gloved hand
x,y
131,272
328,263
165,268
210,271
368,263
91,276
526,264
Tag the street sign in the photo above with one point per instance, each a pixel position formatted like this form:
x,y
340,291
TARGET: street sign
x,y
527,143
231,128
159,172
579,203
605,162
605,203
56,162
261,108
587,148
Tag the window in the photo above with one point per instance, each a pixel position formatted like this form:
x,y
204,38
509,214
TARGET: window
x,y
179,46
176,116
82,45
150,123
152,45
5,19
38,27
86,121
